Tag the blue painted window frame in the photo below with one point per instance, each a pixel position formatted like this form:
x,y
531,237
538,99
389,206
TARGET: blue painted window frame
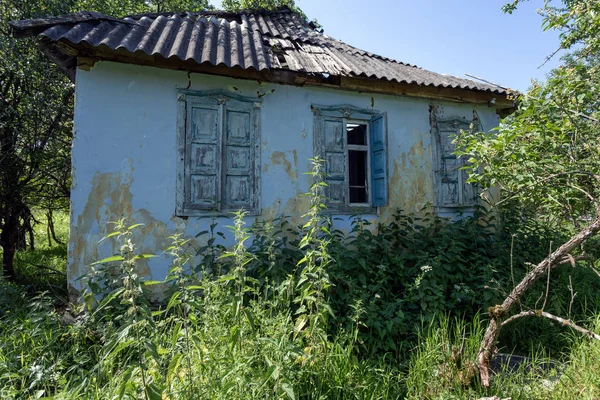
x,y
378,174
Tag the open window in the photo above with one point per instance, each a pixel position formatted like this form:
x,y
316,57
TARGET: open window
x,y
352,141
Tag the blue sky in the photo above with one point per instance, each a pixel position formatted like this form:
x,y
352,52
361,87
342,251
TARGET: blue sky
x,y
446,36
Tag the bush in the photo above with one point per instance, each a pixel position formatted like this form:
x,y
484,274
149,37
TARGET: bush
x,y
308,312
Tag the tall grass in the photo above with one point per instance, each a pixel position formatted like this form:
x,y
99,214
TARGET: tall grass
x,y
441,367
44,267
222,334
295,313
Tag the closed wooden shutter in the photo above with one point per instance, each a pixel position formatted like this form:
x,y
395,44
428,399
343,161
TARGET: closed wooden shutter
x,y
333,151
219,153
240,139
452,187
203,148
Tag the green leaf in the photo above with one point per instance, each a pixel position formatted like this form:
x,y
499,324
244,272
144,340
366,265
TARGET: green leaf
x,y
173,367
175,333
108,299
154,392
174,300
250,317
118,348
115,233
289,391
134,226
301,323
125,381
109,259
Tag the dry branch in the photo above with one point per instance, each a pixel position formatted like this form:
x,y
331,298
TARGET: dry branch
x,y
500,313
562,321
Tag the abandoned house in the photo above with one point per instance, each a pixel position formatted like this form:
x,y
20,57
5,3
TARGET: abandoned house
x,y
183,118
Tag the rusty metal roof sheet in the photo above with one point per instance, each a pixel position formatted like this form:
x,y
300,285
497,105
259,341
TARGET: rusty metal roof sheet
x,y
249,40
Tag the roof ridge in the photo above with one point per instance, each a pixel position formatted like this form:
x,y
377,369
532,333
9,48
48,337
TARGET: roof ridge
x,y
27,27
216,13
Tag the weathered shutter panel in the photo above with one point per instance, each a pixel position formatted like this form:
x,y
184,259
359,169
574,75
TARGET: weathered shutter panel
x,y
470,191
203,149
378,150
240,138
453,190
450,190
335,160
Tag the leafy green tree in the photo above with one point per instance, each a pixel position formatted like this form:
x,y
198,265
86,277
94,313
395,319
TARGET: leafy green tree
x,y
546,157
577,20
35,130
237,5
117,8
36,108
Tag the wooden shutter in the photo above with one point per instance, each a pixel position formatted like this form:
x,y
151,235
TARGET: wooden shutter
x,y
332,148
240,156
218,152
452,187
378,153
203,153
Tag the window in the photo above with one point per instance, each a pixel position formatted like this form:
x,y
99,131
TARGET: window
x,y
352,141
219,155
451,187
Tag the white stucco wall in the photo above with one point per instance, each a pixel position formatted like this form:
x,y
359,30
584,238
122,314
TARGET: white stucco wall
x,y
124,153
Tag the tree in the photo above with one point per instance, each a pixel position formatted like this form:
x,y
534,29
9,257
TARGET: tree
x,y
35,131
237,5
546,157
36,108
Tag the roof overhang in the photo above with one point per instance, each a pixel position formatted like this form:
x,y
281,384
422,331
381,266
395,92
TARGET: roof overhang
x,y
275,47
71,56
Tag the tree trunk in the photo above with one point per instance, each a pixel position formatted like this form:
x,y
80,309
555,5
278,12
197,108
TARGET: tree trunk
x,y
27,227
9,238
499,313
52,232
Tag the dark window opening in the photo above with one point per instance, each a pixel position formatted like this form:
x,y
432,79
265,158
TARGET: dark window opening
x,y
357,176
357,134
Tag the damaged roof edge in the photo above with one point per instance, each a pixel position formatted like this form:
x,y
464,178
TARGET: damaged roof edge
x,y
273,41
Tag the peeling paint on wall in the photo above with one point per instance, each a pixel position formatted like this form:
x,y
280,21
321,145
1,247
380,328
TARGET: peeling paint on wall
x,y
279,158
133,128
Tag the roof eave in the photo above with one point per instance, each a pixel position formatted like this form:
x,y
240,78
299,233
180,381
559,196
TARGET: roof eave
x,y
85,56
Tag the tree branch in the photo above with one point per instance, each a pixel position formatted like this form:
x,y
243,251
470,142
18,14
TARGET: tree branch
x,y
500,312
562,321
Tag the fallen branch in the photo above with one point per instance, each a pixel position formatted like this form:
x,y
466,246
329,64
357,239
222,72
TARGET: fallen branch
x,y
499,313
562,321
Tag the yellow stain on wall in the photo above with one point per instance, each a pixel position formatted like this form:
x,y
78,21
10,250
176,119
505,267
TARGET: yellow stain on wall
x,y
279,158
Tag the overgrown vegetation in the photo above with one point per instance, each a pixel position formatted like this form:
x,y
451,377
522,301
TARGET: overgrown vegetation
x,y
546,160
383,311
288,313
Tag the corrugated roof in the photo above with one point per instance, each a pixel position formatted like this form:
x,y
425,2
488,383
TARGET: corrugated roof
x,y
276,40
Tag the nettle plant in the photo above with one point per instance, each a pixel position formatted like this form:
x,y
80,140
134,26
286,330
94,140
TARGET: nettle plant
x,y
115,281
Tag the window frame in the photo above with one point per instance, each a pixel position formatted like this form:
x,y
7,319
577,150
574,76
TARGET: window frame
x,y
358,147
223,102
348,113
